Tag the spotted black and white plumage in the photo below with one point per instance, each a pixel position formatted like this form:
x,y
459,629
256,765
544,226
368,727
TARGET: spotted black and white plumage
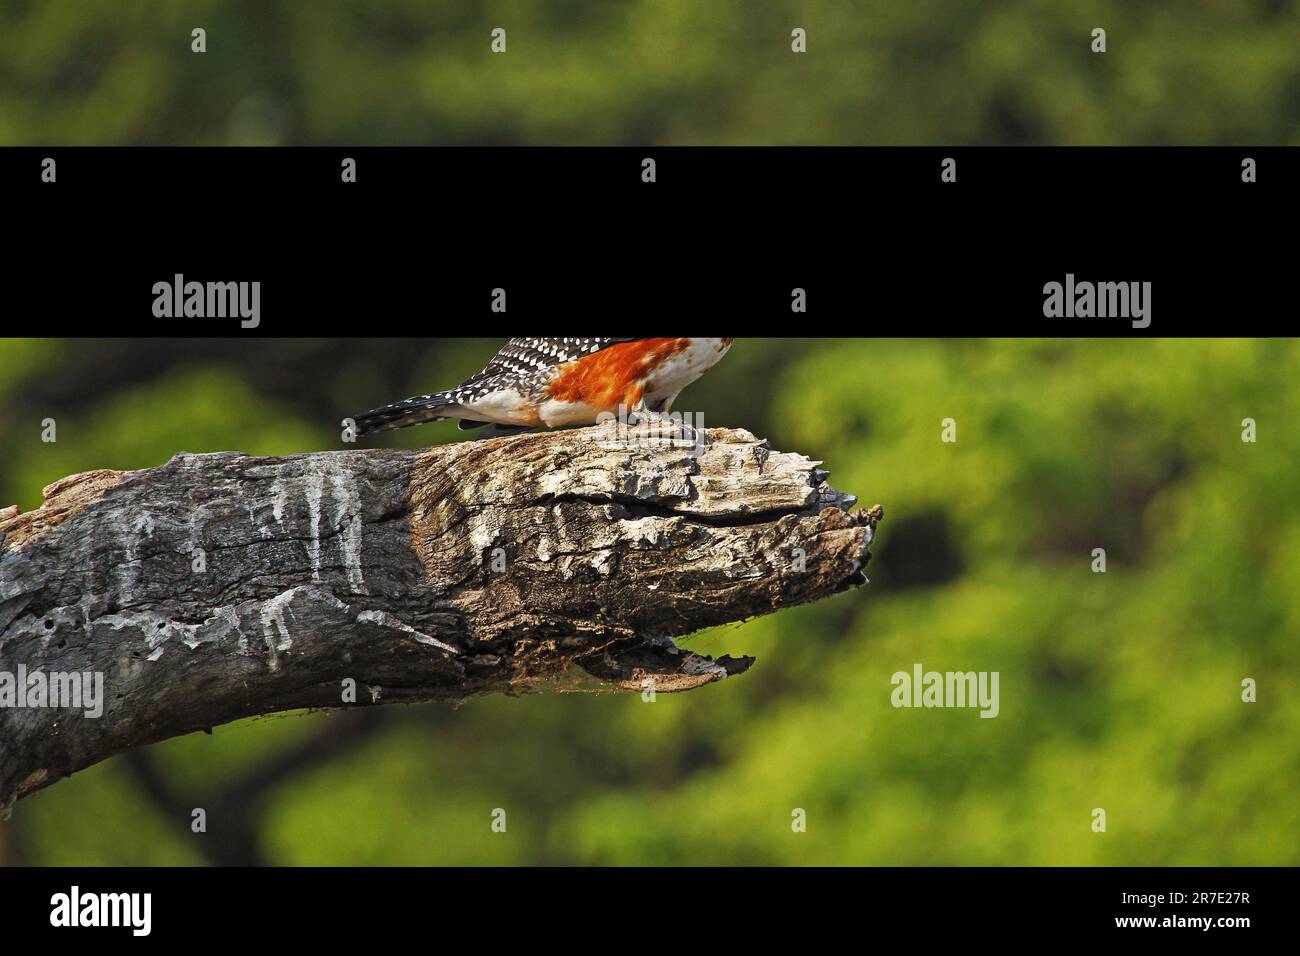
x,y
519,361
522,386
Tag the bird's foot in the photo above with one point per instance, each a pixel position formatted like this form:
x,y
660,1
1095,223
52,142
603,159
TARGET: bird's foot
x,y
664,427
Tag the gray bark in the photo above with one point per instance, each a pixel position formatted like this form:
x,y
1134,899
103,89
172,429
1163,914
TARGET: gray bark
x,y
559,561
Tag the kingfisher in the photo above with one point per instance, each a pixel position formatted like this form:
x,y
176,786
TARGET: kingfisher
x,y
545,382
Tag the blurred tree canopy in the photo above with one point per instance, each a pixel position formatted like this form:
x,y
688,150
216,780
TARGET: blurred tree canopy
x,y
1119,690
649,72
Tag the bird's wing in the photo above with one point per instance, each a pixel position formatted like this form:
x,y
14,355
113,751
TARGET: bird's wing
x,y
519,361
530,354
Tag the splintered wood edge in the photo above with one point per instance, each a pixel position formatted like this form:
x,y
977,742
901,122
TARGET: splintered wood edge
x,y
63,499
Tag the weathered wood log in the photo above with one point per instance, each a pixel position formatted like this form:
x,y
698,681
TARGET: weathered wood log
x,y
222,586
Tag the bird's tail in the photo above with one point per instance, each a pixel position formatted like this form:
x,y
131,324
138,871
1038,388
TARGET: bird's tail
x,y
404,414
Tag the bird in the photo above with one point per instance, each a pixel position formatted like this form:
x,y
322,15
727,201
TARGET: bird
x,y
546,382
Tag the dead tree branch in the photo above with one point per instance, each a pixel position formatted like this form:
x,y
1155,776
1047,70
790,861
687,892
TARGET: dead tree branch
x,y
221,586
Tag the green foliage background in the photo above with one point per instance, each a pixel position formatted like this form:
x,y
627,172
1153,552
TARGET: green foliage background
x,y
661,72
1118,690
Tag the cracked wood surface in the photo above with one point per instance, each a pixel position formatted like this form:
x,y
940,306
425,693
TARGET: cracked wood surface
x,y
557,561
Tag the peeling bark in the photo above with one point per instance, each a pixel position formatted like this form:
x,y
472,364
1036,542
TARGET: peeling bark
x,y
559,561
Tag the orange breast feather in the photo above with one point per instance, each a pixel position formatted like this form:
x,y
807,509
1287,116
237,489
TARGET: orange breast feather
x,y
615,375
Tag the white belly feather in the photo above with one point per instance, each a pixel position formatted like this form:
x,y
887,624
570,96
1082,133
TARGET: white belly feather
x,y
680,370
